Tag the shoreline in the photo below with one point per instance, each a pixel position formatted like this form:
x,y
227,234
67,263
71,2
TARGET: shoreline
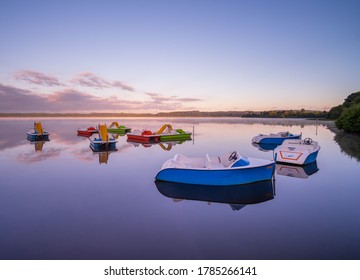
x,y
280,114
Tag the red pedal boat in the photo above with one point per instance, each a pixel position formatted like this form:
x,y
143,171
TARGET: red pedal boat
x,y
86,132
145,136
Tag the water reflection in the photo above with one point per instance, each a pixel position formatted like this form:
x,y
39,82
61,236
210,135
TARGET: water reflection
x,y
236,196
302,172
117,135
30,157
349,143
165,146
76,214
104,155
38,144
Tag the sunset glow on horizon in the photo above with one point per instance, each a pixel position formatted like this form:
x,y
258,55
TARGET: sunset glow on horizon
x,y
152,56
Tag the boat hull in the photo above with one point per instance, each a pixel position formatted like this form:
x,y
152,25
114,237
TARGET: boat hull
x,y
119,130
37,137
103,149
264,147
217,177
268,140
297,158
175,137
143,138
85,133
103,145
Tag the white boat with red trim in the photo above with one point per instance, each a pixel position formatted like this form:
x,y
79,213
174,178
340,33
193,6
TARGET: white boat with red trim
x,y
298,152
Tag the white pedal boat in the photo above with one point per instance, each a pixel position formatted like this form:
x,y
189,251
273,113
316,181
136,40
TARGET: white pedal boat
x,y
229,169
298,152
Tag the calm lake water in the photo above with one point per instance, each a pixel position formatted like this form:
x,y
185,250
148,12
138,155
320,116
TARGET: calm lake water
x,y
60,200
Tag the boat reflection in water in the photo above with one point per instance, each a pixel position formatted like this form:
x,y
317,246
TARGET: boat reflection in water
x,y
297,171
38,144
166,146
237,196
104,155
117,135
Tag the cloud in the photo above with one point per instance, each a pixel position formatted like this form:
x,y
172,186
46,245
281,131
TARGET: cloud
x,y
69,100
122,86
89,79
168,103
86,79
156,97
18,100
74,100
37,78
13,99
188,99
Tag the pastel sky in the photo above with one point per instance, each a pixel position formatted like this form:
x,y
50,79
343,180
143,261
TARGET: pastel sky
x,y
161,55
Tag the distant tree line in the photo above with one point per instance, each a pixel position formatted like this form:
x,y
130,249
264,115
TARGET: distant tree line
x,y
179,114
347,115
216,114
288,114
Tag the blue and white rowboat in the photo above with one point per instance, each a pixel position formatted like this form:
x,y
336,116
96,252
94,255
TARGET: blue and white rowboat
x,y
275,138
229,169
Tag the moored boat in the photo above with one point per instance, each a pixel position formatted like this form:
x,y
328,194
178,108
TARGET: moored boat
x,y
298,152
119,129
264,147
37,133
104,141
167,133
275,138
86,131
229,169
144,136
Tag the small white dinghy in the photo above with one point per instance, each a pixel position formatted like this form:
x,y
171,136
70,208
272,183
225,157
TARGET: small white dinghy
x,y
298,152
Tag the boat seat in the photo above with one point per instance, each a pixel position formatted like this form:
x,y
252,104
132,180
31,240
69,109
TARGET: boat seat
x,y
224,159
181,160
214,163
242,161
285,134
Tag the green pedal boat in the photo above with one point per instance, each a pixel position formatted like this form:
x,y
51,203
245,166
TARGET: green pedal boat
x,y
167,133
118,129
